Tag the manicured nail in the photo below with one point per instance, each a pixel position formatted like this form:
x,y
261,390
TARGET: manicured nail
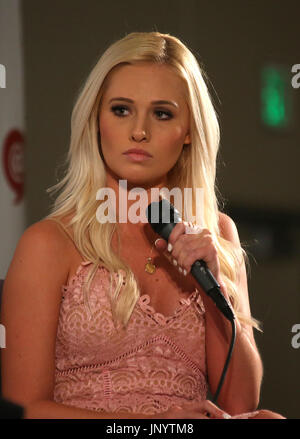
x,y
184,272
226,416
180,270
174,262
170,247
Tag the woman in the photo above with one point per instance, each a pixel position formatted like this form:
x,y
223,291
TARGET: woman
x,y
102,320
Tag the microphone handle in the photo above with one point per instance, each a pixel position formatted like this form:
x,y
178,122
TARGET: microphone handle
x,y
211,287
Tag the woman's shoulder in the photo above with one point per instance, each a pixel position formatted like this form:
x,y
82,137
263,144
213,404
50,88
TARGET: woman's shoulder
x,y
62,230
49,238
45,236
228,229
48,228
58,226
40,262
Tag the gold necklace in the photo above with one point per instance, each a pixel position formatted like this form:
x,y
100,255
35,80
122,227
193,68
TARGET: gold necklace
x,y
150,266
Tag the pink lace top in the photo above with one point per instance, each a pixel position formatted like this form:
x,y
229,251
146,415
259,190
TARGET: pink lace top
x,y
156,363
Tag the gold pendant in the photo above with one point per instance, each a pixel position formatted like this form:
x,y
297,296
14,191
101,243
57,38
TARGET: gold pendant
x,y
149,267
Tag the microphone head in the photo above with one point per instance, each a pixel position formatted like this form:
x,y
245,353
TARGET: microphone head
x,y
162,217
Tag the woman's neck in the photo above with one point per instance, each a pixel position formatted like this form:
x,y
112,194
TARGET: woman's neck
x,y
131,203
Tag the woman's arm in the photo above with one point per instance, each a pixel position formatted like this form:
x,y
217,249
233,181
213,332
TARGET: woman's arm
x,y
241,388
30,308
30,312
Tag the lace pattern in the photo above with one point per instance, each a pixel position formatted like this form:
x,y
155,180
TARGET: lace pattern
x,y
146,369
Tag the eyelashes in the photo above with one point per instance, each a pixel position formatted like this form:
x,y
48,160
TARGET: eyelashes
x,y
117,110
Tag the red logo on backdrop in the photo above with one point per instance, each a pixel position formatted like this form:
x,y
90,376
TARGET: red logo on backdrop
x,y
13,162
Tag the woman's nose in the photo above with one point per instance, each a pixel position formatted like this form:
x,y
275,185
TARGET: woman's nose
x,y
140,129
139,135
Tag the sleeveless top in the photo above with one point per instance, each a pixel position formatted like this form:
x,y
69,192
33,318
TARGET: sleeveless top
x,y
157,362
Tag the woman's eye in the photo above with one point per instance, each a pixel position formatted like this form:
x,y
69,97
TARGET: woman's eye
x,y
166,113
117,110
120,111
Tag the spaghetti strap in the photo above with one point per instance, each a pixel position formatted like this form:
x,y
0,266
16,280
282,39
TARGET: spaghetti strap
x,y
65,231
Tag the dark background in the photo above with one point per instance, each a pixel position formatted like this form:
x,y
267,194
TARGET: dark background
x,y
257,166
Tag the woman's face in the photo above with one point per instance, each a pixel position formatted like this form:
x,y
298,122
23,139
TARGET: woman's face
x,y
130,117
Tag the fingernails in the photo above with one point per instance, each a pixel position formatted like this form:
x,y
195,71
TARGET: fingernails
x,y
180,270
226,416
174,262
184,272
156,241
170,247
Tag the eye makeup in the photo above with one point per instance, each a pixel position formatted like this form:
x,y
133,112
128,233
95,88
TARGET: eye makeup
x,y
115,109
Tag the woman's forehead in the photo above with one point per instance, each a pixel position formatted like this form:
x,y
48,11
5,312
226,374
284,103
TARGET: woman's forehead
x,y
147,78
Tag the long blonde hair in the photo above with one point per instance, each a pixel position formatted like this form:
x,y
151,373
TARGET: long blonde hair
x,y
195,168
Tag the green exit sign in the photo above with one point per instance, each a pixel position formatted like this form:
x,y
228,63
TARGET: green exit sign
x,y
276,96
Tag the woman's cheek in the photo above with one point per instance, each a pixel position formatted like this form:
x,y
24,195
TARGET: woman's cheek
x,y
105,131
176,136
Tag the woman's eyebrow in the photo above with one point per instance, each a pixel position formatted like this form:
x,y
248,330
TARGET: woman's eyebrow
x,y
161,102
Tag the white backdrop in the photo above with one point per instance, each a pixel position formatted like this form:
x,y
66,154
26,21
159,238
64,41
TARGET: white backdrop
x,y
12,206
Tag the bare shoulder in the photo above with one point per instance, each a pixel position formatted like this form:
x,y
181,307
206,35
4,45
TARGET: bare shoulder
x,y
46,227
44,239
228,229
41,250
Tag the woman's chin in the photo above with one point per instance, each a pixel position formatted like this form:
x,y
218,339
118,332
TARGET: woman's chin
x,y
142,183
136,179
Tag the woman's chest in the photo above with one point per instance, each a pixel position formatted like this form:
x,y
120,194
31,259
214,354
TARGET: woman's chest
x,y
165,286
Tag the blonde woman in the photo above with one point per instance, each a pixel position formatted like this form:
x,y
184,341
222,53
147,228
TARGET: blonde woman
x,y
102,319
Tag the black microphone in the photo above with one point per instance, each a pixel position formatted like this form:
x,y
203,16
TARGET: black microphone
x,y
162,217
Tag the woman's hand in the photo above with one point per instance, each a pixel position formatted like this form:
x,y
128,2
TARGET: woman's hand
x,y
186,245
200,410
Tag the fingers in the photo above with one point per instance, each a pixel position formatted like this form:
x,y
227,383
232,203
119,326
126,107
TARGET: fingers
x,y
186,248
179,231
182,412
161,244
187,244
205,409
214,411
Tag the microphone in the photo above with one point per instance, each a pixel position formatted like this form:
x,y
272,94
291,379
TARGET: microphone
x,y
162,217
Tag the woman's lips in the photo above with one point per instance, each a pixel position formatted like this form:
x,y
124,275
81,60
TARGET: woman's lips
x,y
137,157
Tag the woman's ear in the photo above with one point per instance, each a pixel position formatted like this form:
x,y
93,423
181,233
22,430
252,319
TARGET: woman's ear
x,y
187,139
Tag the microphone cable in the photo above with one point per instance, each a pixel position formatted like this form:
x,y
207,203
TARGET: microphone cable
x,y
225,368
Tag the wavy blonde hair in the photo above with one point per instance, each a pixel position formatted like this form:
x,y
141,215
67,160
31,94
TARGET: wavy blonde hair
x,y
85,171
